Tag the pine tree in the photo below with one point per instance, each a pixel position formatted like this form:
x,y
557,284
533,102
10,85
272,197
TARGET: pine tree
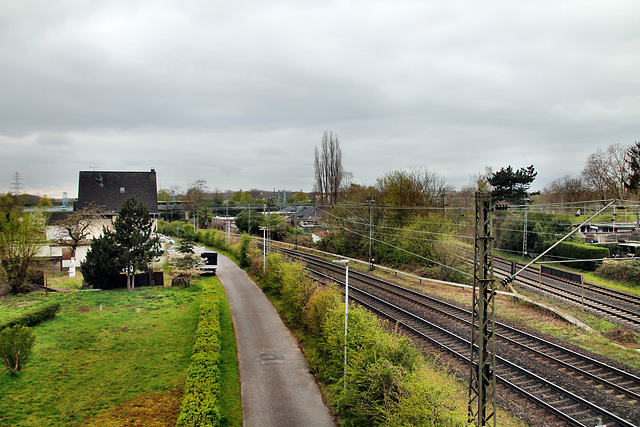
x,y
131,246
136,239
510,185
633,162
102,265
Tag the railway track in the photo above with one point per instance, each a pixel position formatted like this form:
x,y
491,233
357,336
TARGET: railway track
x,y
562,382
619,307
616,306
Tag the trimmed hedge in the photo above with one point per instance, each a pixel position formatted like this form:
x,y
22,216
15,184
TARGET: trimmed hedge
x,y
34,316
201,401
571,250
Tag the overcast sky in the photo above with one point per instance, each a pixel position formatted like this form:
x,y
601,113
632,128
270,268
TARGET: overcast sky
x,y
239,93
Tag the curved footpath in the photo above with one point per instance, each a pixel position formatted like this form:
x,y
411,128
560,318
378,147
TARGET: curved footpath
x,y
277,388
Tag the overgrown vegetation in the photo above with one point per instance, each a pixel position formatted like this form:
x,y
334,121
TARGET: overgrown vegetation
x,y
386,382
627,271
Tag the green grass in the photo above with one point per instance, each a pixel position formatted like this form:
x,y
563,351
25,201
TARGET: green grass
x,y
87,360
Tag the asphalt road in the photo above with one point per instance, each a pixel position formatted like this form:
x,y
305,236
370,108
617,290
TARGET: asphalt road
x,y
277,388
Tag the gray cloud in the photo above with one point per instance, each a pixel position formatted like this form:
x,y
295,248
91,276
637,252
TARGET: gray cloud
x,y
240,93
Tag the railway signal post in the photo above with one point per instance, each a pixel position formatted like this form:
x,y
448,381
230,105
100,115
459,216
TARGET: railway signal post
x,y
482,381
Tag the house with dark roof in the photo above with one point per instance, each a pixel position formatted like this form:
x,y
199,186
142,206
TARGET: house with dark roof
x,y
109,190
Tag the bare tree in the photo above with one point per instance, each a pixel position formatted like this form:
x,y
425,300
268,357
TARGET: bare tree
x,y
605,172
74,229
565,190
195,196
329,173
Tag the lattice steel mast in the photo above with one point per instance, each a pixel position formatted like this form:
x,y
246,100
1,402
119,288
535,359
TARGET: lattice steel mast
x,y
482,381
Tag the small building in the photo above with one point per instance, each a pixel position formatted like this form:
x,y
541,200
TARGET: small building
x,y
609,232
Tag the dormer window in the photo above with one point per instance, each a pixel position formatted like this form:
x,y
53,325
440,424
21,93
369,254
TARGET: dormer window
x,y
121,190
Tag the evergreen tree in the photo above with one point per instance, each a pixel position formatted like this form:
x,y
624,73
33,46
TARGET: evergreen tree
x,y
510,185
131,246
102,264
633,163
136,239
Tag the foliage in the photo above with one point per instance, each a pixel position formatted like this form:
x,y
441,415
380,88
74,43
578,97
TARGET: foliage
x,y
200,405
74,228
250,221
33,317
382,368
623,270
511,185
164,195
572,250
416,187
632,182
184,266
416,241
135,237
11,203
300,197
21,236
245,246
543,230
241,197
16,343
4,284
102,263
44,202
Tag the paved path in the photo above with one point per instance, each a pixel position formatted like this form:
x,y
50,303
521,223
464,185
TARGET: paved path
x,y
277,388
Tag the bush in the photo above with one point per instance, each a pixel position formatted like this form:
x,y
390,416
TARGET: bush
x,y
570,250
626,271
386,384
200,404
16,343
34,316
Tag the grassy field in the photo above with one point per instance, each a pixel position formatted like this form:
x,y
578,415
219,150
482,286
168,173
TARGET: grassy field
x,y
123,364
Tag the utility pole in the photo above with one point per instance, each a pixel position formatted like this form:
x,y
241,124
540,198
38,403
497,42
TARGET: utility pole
x,y
370,201
524,232
482,381
295,226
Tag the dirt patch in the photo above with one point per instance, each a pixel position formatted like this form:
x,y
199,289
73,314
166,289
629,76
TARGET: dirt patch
x,y
149,410
623,336
84,308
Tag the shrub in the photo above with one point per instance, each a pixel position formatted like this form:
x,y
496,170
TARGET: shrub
x,y
200,404
245,245
570,250
34,316
626,271
16,343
